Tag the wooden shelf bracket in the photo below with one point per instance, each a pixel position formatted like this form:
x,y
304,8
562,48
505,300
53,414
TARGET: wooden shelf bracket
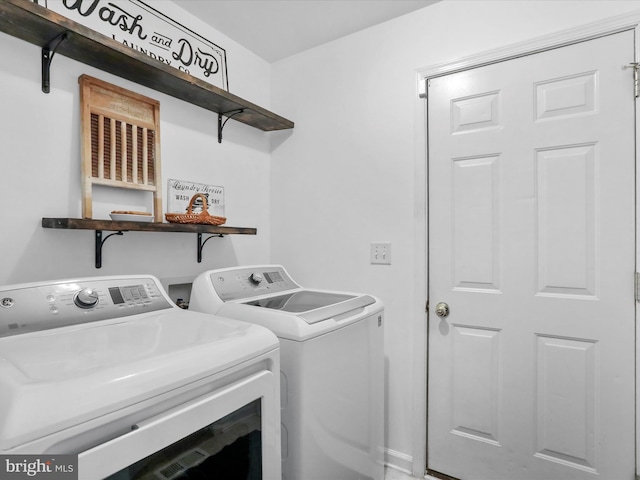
x,y
48,51
221,124
100,242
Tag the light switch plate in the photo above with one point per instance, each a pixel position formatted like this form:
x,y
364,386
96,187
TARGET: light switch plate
x,y
381,253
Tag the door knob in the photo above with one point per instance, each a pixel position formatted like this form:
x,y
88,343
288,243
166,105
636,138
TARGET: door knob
x,y
442,310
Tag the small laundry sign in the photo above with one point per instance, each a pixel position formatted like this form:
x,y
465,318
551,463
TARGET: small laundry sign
x,y
147,30
180,192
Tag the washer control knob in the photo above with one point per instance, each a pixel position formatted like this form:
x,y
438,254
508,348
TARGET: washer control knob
x,y
86,298
255,278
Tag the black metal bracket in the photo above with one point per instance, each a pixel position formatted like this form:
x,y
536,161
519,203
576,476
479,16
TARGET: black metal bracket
x,y
100,242
47,56
221,124
201,244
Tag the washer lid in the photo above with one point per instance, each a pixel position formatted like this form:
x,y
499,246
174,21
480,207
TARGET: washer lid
x,y
301,301
313,305
55,379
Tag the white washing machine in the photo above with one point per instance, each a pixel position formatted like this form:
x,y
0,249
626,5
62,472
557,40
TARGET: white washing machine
x,y
332,364
110,372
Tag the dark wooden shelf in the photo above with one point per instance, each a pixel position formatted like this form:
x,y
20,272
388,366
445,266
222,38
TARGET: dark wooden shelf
x,y
120,227
38,25
89,224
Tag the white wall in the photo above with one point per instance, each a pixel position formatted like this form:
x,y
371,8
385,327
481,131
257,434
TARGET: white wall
x,y
352,170
345,176
40,176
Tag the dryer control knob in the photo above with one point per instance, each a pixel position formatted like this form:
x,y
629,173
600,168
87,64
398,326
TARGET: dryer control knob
x,y
256,278
86,298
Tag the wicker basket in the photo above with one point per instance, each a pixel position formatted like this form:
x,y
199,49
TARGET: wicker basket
x,y
200,218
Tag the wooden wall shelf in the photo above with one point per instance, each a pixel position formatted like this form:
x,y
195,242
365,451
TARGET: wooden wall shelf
x,y
120,227
57,34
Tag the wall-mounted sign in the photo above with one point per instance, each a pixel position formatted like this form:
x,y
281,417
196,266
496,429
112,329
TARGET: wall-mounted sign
x,y
145,29
179,193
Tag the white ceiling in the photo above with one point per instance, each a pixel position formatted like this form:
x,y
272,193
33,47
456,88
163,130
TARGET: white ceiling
x,y
276,29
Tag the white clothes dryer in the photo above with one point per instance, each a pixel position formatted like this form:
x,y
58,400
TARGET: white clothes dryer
x,y
109,370
332,364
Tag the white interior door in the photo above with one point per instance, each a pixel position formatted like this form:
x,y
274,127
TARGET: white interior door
x,y
532,246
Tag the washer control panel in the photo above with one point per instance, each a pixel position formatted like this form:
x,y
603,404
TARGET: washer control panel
x,y
247,282
41,306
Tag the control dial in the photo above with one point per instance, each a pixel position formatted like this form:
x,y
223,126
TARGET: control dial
x,y
86,298
255,278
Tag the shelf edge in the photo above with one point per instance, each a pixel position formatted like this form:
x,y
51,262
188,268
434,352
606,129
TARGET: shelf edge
x,y
109,225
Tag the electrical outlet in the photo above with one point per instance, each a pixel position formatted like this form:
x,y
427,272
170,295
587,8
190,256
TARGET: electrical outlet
x,y
381,253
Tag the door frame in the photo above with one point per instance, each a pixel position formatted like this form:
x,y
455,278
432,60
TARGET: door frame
x,y
629,21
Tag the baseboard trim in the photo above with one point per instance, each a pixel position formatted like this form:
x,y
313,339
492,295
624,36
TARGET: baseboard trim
x,y
398,461
439,476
